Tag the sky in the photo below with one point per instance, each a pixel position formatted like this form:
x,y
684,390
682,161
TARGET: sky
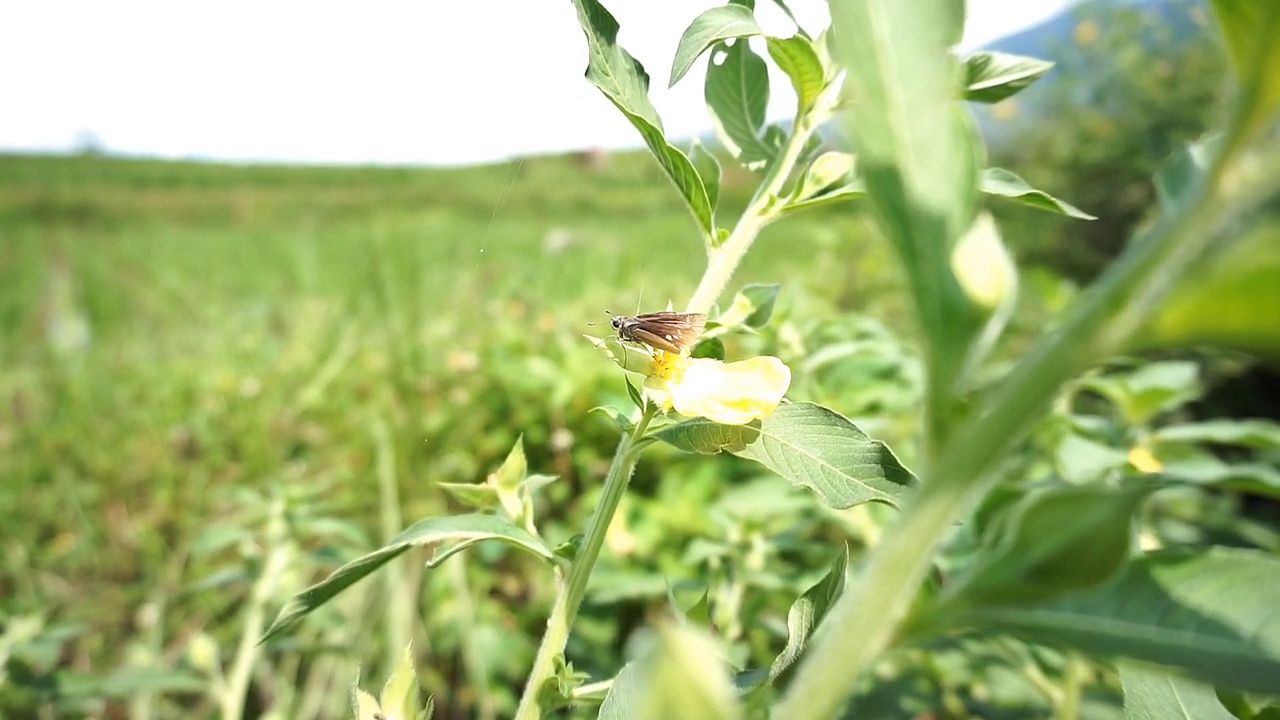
x,y
394,82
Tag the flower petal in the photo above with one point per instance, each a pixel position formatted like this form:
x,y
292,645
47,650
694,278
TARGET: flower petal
x,y
729,393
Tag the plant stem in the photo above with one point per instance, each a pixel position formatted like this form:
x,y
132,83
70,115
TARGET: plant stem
x,y
572,590
865,620
1069,708
237,685
722,260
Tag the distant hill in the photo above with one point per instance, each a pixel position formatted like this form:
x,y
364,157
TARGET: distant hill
x,y
1067,37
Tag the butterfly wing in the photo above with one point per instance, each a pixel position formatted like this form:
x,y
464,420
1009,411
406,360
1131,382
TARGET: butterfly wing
x,y
670,331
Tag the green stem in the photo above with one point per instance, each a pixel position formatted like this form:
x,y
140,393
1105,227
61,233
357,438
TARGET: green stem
x,y
865,620
1069,708
565,610
723,260
237,685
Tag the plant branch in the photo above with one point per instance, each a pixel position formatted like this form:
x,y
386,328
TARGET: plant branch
x,y
723,259
568,602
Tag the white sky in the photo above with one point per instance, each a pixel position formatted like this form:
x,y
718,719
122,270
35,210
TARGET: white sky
x,y
423,82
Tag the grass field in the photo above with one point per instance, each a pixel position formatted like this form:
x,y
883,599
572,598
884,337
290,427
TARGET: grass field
x,y
175,337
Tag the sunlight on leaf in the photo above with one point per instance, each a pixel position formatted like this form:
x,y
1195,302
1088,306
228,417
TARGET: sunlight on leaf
x,y
810,446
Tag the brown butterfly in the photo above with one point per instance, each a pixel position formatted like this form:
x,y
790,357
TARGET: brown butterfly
x,y
671,331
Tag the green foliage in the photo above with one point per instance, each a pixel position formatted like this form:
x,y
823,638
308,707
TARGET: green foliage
x,y
1149,695
998,181
920,163
713,26
678,677
623,80
461,530
993,76
809,445
807,611
399,697
1175,608
1050,542
1066,508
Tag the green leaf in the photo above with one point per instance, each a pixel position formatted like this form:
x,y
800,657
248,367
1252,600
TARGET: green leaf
x,y
699,613
854,190
993,76
1253,433
512,471
624,81
623,697
627,355
1211,614
1154,695
461,529
1055,540
798,59
1183,169
810,446
807,612
762,297
998,181
708,169
708,438
1080,460
568,550
399,696
752,307
825,172
1153,388
1251,29
620,421
919,155
479,496
709,348
683,678
633,392
1228,302
737,93
365,706
1204,468
713,26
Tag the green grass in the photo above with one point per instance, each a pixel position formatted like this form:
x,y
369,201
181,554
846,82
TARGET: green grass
x,y
174,333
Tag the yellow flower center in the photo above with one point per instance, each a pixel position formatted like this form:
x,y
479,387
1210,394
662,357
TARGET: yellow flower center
x,y
668,366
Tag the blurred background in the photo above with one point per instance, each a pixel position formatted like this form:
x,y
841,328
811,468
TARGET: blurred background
x,y
269,273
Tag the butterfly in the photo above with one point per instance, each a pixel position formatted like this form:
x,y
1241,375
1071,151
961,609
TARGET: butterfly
x,y
670,331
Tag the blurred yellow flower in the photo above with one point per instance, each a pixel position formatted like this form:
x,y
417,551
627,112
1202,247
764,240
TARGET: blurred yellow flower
x,y
728,393
1142,459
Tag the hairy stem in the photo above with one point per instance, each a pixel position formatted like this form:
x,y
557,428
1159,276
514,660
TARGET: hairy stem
x,y
723,259
565,610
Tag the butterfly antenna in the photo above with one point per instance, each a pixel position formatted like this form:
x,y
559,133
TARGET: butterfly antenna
x,y
640,297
